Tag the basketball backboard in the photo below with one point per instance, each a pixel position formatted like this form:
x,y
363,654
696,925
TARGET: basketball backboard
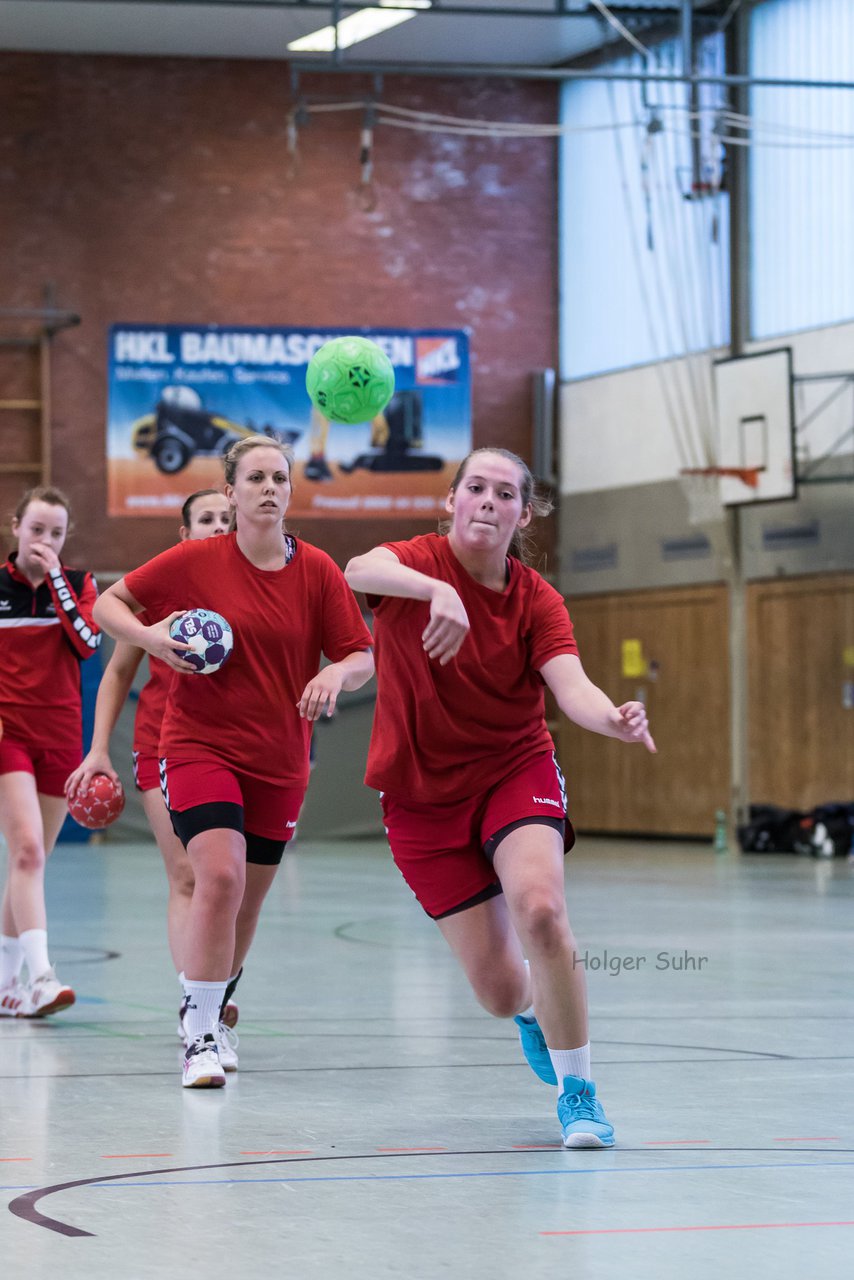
x,y
756,426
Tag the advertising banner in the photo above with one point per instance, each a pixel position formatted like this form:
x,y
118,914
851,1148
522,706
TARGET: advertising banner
x,y
180,396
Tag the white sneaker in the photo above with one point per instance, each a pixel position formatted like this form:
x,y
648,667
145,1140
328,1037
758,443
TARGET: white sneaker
x,y
226,1043
46,994
202,1067
12,1000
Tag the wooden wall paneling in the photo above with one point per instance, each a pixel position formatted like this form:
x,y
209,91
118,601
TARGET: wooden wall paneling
x,y
683,637
800,647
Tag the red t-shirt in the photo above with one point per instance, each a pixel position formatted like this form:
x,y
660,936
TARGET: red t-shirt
x,y
152,702
445,733
245,715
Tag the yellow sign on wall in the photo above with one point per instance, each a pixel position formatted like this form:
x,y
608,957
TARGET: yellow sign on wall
x,y
634,663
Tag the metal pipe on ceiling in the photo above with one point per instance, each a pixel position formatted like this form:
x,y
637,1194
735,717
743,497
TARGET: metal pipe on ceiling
x,y
558,8
511,72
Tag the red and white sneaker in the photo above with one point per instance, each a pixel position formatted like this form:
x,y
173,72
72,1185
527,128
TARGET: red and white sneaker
x,y
12,1000
202,1067
46,994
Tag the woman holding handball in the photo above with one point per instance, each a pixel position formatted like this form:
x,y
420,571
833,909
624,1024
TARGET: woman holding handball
x,y
46,631
204,514
234,745
474,804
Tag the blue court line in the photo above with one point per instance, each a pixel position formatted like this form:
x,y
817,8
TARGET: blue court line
x,y
408,1177
503,1173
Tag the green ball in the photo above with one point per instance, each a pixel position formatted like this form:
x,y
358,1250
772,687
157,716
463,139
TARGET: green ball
x,y
350,380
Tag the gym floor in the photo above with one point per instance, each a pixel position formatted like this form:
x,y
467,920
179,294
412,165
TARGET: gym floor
x,y
382,1123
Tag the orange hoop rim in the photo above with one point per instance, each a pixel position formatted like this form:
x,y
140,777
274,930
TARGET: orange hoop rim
x,y
747,475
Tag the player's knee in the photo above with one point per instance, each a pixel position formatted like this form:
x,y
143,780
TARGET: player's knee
x,y
221,882
502,995
26,853
541,919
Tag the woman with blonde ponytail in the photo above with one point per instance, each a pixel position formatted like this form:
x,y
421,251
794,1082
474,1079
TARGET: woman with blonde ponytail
x,y
234,746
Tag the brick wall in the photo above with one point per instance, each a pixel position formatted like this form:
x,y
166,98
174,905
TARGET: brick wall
x,y
157,190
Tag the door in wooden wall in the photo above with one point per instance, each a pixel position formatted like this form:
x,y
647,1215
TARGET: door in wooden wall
x,y
801,682
670,649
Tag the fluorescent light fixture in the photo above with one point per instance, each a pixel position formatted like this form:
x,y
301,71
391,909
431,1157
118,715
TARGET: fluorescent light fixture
x,y
360,25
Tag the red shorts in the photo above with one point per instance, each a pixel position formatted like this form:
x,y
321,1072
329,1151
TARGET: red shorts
x,y
146,771
269,810
49,766
444,851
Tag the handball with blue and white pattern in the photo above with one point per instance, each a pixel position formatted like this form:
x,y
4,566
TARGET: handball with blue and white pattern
x,y
210,638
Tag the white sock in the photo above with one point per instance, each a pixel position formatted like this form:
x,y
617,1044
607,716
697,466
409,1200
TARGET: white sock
x,y
203,1005
571,1062
529,1012
11,960
34,944
183,982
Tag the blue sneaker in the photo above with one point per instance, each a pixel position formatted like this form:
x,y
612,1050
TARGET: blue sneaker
x,y
535,1049
581,1116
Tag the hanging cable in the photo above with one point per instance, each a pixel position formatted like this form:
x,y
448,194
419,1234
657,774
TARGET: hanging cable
x,y
670,394
614,21
764,133
653,127
293,145
733,9
367,192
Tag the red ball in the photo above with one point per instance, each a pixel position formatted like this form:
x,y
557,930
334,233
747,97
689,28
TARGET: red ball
x,y
100,803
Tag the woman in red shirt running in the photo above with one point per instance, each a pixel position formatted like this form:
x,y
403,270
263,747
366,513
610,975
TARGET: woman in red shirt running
x,y
204,514
234,745
46,631
466,635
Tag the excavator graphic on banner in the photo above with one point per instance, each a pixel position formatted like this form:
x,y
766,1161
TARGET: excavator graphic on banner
x,y
396,442
181,428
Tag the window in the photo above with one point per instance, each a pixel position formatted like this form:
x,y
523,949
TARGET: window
x,y
644,271
801,173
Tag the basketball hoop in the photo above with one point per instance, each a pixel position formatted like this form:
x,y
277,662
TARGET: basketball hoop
x,y
702,490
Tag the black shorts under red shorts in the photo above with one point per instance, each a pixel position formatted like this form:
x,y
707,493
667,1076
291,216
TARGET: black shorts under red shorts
x,y
444,851
269,810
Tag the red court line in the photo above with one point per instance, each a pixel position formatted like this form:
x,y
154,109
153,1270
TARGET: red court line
x,y
731,1226
410,1148
806,1139
140,1155
12,1159
304,1152
677,1142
